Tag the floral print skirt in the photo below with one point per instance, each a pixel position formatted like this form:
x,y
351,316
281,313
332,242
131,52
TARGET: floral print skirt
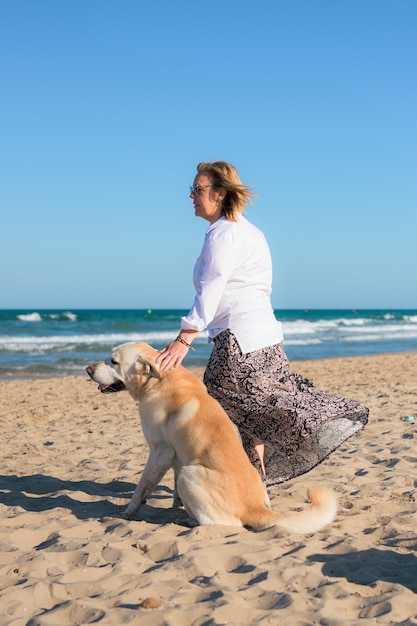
x,y
299,424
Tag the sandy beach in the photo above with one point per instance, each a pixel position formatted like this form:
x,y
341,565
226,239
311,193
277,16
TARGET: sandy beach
x,y
71,458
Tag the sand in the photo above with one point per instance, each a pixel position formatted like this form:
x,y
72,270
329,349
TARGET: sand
x,y
71,458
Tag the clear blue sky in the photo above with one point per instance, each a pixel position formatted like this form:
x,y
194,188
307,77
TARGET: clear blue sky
x,y
108,105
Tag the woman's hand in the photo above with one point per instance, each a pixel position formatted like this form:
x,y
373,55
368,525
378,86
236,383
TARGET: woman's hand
x,y
176,351
172,356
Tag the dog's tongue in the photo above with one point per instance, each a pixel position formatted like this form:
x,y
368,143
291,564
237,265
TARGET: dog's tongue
x,y
117,386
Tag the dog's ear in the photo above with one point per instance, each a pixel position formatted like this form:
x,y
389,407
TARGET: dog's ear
x,y
146,367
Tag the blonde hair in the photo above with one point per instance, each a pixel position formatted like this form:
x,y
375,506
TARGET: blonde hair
x,y
225,176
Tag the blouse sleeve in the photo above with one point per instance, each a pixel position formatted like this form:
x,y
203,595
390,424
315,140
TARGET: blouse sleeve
x,y
212,272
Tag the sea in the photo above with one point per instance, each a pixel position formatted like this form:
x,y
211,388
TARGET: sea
x,y
44,343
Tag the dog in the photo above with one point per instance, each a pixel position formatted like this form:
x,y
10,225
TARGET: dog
x,y
188,430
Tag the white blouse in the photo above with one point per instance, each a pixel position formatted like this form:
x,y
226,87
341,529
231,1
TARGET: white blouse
x,y
232,279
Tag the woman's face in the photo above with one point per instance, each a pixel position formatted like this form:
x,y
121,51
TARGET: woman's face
x,y
207,201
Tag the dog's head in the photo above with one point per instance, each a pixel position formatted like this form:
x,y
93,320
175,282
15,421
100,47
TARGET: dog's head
x,y
130,366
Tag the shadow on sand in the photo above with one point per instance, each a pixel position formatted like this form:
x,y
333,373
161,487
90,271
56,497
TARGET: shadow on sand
x,y
38,492
367,567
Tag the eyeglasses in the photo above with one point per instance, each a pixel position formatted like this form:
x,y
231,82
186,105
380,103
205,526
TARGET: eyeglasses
x,y
196,189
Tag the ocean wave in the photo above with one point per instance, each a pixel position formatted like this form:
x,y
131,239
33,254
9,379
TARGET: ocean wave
x,y
360,321
56,342
72,317
382,336
37,317
29,317
304,327
385,330
302,342
339,326
295,333
51,341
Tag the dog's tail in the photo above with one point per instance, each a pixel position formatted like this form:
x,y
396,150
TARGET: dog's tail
x,y
322,511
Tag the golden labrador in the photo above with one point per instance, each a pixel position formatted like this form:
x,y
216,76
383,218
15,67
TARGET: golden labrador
x,y
188,430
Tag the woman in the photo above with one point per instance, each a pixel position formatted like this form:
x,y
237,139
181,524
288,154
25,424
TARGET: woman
x,y
287,424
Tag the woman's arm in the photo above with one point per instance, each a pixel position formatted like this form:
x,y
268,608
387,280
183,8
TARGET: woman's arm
x,y
213,270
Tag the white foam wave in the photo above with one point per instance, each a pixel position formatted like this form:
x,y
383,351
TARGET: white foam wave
x,y
37,317
335,329
71,316
30,317
40,344
360,321
382,336
304,327
385,330
302,342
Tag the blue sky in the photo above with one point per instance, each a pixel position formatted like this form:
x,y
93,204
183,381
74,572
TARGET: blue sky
x,y
107,107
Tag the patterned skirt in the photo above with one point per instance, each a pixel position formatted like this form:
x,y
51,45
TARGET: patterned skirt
x,y
299,424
